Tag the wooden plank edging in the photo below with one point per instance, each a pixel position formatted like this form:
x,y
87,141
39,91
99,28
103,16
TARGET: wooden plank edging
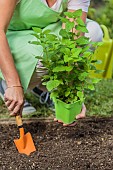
x,y
49,119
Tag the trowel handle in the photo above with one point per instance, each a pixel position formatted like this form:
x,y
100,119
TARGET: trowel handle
x,y
20,125
19,121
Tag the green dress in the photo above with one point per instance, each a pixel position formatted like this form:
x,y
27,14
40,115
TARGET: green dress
x,y
28,14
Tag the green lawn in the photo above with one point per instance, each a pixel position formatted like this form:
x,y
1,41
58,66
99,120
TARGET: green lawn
x,y
98,102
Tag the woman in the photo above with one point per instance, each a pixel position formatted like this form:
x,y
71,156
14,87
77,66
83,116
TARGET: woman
x,y
17,56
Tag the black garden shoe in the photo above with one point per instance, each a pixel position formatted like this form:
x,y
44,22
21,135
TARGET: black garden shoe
x,y
44,98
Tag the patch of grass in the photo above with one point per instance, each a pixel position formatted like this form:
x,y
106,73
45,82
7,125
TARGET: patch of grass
x,y
41,110
98,102
3,110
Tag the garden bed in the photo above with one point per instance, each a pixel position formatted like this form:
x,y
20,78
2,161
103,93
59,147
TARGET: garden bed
x,y
87,146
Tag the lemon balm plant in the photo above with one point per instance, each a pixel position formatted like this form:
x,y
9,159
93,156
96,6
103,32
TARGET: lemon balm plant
x,y
68,60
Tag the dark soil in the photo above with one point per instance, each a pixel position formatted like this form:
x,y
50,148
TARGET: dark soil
x,y
87,146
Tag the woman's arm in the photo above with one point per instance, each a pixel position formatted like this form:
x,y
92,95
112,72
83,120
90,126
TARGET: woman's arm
x,y
6,61
13,96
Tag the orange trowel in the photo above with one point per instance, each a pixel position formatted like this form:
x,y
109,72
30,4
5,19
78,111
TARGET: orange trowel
x,y
25,143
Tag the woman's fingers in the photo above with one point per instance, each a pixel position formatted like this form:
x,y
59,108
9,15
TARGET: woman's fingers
x,y
14,106
7,103
6,99
12,114
11,105
16,111
18,108
14,100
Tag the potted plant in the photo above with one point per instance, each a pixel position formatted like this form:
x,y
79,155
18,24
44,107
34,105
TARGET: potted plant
x,y
68,60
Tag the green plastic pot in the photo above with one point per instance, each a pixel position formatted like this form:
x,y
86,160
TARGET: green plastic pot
x,y
105,54
67,112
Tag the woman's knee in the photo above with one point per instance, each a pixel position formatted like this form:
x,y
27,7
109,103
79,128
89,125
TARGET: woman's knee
x,y
94,31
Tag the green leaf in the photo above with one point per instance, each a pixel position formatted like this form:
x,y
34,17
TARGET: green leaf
x,y
76,51
52,84
79,88
67,58
51,37
62,68
80,21
95,80
82,41
67,93
65,50
35,42
37,30
69,26
64,20
72,45
36,35
68,14
44,83
68,43
54,94
61,62
63,33
80,94
91,87
86,54
46,77
75,99
77,13
86,48
76,59
46,31
83,76
81,28
39,57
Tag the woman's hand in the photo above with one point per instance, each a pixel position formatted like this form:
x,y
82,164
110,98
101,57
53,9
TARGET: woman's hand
x,y
14,100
